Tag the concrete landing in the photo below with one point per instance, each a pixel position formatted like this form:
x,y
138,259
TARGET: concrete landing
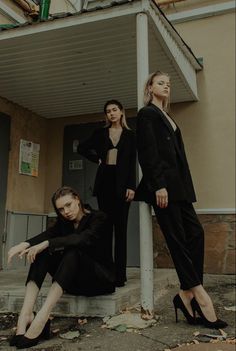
x,y
12,293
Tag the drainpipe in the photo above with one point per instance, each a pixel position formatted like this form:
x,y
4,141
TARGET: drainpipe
x,y
145,219
44,7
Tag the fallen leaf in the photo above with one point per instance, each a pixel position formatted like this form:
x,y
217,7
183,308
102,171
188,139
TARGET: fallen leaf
x,y
103,326
196,333
129,330
70,335
54,331
196,341
121,328
223,333
230,308
105,319
82,321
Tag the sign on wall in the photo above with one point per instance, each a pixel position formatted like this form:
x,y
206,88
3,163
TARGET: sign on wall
x,y
29,158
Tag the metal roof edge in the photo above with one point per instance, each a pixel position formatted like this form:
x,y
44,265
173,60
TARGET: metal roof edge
x,y
196,63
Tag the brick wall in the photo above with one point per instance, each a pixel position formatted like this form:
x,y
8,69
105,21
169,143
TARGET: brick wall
x,y
219,244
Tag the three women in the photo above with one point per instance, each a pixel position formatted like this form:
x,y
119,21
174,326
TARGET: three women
x,y
73,252
113,148
167,186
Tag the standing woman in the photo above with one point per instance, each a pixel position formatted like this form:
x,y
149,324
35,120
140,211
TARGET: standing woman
x,y
113,148
73,253
167,186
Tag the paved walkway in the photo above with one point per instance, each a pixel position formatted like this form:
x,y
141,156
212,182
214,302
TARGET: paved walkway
x,y
164,335
207,347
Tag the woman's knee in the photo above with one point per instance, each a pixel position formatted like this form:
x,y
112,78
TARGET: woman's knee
x,y
71,255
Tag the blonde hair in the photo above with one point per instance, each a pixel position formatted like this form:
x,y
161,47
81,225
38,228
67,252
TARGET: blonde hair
x,y
147,98
123,121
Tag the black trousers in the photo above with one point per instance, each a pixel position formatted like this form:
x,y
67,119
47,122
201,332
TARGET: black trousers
x,y
117,211
73,270
185,239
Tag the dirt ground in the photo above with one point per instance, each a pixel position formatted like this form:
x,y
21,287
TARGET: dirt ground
x,y
164,335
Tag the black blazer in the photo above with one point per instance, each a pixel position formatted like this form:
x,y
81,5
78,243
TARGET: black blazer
x,y
97,146
162,158
89,237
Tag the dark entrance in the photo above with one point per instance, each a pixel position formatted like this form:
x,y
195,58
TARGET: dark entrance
x,y
80,174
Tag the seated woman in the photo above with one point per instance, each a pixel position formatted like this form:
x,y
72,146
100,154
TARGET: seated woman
x,y
72,252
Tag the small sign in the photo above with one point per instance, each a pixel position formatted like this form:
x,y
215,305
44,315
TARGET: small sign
x,y
75,165
29,158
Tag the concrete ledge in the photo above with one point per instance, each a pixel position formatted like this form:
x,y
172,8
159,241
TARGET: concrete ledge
x,y
12,294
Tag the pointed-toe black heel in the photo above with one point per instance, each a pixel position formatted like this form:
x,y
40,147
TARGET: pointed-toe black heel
x,y
218,324
16,338
178,303
46,332
25,343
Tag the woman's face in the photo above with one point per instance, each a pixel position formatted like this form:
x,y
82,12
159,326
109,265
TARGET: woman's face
x,y
113,113
68,206
160,87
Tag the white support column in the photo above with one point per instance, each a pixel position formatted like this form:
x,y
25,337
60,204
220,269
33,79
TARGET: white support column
x,y
145,221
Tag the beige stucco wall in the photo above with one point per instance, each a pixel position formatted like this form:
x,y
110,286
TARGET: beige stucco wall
x,y
25,193
208,126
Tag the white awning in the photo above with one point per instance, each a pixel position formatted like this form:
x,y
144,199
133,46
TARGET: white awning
x,y
70,66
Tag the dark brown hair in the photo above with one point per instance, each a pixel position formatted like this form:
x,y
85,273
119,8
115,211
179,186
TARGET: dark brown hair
x,y
120,106
65,190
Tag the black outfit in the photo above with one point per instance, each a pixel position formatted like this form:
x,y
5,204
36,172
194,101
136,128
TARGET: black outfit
x,y
110,187
164,165
76,258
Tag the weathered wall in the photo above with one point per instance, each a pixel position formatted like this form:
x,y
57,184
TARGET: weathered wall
x,y
219,244
25,193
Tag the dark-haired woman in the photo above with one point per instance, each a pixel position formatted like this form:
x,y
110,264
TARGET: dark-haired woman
x,y
113,149
167,186
73,253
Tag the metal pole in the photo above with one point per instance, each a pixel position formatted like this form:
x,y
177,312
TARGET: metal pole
x,y
145,222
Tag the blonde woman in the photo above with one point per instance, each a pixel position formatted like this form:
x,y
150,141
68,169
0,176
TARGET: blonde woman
x,y
113,148
167,186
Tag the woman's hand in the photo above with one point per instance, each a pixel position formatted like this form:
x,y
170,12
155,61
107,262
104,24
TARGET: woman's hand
x,y
32,251
16,250
162,198
129,195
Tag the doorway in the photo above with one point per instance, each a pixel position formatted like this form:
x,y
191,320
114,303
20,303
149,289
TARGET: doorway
x,y
80,173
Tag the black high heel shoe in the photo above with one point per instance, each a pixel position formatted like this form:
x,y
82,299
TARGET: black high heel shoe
x,y
218,324
178,303
16,338
25,343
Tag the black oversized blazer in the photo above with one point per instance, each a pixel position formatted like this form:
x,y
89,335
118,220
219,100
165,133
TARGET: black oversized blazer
x,y
89,238
97,146
162,158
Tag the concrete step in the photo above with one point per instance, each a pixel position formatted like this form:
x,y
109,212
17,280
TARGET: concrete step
x,y
12,294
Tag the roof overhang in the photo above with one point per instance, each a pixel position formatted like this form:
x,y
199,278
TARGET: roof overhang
x,y
70,66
